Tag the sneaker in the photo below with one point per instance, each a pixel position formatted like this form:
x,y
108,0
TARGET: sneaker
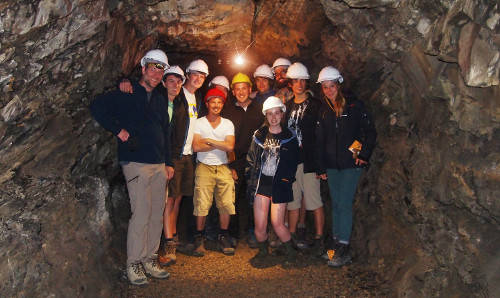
x,y
225,245
135,274
332,245
341,257
167,256
153,269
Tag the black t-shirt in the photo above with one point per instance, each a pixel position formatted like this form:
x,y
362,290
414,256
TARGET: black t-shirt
x,y
296,115
270,160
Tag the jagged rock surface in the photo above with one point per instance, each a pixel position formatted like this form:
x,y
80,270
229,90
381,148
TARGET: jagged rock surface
x,y
428,212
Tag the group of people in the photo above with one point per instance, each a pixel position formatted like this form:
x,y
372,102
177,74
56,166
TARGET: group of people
x,y
259,154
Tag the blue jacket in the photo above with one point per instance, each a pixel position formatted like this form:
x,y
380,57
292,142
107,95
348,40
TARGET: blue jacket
x,y
287,166
261,97
335,134
147,124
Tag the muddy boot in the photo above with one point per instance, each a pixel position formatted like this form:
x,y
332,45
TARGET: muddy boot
x,y
341,257
263,249
261,260
318,247
199,246
166,255
290,254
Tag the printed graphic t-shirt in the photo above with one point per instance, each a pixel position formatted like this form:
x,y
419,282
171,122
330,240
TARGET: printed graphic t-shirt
x,y
193,115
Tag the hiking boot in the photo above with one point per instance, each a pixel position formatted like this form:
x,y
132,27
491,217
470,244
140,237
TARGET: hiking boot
x,y
199,246
300,244
318,247
342,256
263,249
332,245
167,257
224,244
251,240
154,269
135,274
285,249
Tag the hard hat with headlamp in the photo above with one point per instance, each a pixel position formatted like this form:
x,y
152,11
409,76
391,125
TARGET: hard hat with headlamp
x,y
330,73
155,56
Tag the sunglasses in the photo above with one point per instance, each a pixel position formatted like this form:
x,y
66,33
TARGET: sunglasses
x,y
158,66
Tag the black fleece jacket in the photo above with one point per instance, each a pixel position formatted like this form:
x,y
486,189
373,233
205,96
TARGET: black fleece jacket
x,y
335,134
245,124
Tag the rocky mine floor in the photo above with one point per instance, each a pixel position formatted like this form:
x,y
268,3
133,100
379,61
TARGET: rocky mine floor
x,y
217,275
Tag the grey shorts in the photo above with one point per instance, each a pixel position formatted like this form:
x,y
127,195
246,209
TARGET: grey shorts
x,y
308,186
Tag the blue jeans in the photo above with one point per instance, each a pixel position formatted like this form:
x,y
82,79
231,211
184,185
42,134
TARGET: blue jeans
x,y
342,184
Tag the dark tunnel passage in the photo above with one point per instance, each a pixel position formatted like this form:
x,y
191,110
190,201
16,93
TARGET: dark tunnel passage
x,y
427,210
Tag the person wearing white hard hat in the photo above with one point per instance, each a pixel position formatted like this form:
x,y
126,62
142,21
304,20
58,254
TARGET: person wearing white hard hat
x,y
187,108
172,81
302,113
140,122
221,83
264,79
271,166
345,139
280,68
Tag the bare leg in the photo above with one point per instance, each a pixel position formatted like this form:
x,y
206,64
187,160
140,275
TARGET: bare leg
x,y
260,213
278,221
170,216
200,222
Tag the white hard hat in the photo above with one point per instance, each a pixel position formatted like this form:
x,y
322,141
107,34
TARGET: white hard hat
x,y
219,80
281,62
155,56
297,71
175,69
330,73
264,71
273,102
198,65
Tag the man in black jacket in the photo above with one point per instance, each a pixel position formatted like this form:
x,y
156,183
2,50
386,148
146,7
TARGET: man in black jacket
x,y
302,115
140,121
247,117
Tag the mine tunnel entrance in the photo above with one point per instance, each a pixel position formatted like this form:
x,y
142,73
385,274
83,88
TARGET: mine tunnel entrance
x,y
216,274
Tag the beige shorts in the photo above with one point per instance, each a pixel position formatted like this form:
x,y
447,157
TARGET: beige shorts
x,y
213,181
307,186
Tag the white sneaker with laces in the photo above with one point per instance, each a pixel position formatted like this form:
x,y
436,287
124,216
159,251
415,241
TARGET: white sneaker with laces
x,y
135,274
153,269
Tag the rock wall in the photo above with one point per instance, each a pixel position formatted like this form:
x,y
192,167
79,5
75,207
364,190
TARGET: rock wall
x,y
427,211
428,208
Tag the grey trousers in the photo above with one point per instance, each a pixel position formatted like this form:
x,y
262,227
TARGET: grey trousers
x,y
146,188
